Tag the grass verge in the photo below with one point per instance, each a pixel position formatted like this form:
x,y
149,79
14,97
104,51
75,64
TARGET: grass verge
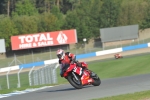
x,y
144,95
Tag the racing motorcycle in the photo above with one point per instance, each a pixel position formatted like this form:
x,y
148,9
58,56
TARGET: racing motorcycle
x,y
117,56
74,74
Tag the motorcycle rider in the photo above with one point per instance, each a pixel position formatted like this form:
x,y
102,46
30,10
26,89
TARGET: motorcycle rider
x,y
66,59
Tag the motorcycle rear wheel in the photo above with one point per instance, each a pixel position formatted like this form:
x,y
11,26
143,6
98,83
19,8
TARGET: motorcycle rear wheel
x,y
71,79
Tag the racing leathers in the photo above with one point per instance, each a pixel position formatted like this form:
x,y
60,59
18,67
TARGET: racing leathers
x,y
68,59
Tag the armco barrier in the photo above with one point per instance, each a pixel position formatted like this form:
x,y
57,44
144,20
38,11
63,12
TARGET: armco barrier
x,y
50,61
93,54
81,56
148,44
116,50
31,64
9,68
127,48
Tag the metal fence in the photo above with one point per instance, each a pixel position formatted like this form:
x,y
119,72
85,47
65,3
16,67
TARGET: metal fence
x,y
29,77
44,75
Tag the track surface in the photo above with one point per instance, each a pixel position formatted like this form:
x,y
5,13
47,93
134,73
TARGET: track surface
x,y
109,87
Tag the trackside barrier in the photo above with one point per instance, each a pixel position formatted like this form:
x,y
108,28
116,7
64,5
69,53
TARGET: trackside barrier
x,y
135,47
93,54
116,50
18,74
8,68
29,75
44,75
8,85
148,44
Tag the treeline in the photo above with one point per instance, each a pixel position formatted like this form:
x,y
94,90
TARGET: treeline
x,y
87,16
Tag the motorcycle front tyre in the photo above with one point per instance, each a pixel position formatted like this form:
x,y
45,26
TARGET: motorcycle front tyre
x,y
73,83
97,81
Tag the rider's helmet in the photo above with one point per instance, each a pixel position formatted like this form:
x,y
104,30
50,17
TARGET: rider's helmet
x,y
60,54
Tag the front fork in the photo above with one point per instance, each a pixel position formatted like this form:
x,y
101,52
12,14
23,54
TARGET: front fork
x,y
75,76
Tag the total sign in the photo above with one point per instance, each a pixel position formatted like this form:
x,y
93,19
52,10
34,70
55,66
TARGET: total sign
x,y
43,39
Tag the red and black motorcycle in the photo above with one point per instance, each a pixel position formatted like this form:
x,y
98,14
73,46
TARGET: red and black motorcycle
x,y
117,56
80,76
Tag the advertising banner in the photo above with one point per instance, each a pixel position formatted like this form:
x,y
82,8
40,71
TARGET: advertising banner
x,y
43,39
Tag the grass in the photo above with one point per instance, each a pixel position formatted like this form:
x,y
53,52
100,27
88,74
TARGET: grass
x,y
144,95
105,69
13,80
122,67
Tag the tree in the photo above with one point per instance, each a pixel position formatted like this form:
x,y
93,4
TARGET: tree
x,y
5,7
26,24
94,17
146,21
74,3
7,29
130,14
109,13
47,22
60,19
25,7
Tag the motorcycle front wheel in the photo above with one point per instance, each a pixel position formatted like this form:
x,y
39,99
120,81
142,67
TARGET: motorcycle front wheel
x,y
97,80
74,82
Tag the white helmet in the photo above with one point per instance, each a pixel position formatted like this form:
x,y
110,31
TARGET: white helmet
x,y
60,54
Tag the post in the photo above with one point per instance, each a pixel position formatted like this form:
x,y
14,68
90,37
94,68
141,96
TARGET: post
x,y
120,41
57,65
54,75
19,77
0,84
30,81
103,45
84,40
8,8
42,75
50,53
46,75
35,77
24,59
32,57
8,79
15,59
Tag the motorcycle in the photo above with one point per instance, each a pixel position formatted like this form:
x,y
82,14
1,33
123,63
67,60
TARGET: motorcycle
x,y
74,74
117,56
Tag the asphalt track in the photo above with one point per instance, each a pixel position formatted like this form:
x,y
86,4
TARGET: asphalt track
x,y
109,87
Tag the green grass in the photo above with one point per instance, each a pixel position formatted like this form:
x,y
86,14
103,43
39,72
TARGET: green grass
x,y
144,95
105,69
122,67
13,80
